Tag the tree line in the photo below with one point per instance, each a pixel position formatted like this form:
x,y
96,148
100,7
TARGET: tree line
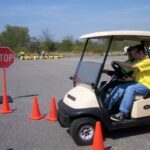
x,y
18,39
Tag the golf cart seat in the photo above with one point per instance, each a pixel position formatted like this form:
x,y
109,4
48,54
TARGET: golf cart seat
x,y
141,106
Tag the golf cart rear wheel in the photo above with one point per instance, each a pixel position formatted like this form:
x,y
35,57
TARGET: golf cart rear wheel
x,y
82,131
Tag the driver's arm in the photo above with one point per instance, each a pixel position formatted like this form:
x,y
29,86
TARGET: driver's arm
x,y
128,78
105,71
128,65
108,72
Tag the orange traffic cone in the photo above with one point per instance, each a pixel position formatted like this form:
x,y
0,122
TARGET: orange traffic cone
x,y
52,116
36,115
98,143
5,105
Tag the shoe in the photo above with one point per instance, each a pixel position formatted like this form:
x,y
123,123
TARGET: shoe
x,y
118,117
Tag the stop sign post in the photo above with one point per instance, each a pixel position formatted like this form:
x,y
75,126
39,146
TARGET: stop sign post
x,y
6,60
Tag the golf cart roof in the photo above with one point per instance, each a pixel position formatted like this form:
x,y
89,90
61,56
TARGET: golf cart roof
x,y
120,35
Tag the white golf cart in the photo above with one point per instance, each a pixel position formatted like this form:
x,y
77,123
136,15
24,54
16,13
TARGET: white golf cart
x,y
84,104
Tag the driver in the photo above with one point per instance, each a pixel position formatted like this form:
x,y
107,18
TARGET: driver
x,y
140,85
127,71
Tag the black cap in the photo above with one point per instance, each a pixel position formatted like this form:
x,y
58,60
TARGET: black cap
x,y
139,47
130,48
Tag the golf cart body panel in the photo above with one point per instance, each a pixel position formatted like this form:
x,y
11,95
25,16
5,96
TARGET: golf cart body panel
x,y
80,97
141,107
85,101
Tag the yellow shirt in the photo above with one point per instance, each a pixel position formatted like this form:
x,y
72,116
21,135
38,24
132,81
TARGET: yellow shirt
x,y
142,74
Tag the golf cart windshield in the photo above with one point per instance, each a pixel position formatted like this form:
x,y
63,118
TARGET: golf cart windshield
x,y
87,72
90,64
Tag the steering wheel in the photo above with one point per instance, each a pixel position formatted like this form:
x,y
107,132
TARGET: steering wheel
x,y
119,71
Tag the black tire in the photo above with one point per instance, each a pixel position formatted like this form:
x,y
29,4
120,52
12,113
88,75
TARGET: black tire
x,y
82,131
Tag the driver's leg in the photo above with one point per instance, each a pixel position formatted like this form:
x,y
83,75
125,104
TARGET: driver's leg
x,y
116,95
131,91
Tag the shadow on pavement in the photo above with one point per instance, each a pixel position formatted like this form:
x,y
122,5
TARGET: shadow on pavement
x,y
108,148
127,132
10,100
31,95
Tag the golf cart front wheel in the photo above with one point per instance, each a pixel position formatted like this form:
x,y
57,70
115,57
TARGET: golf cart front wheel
x,y
82,131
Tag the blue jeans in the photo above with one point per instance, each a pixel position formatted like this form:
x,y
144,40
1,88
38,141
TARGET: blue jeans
x,y
127,91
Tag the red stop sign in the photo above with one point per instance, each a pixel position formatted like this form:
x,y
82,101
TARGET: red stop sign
x,y
6,57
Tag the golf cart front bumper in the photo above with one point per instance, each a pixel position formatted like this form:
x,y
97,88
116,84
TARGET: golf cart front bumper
x,y
67,114
64,114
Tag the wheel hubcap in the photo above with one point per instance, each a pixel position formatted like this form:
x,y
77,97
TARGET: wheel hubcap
x,y
86,132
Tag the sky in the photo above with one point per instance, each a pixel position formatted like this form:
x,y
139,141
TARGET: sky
x,y
73,18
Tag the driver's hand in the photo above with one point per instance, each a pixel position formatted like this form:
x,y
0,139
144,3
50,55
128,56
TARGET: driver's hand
x,y
113,62
128,78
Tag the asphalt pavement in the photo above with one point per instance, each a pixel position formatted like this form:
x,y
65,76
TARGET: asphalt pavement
x,y
46,78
